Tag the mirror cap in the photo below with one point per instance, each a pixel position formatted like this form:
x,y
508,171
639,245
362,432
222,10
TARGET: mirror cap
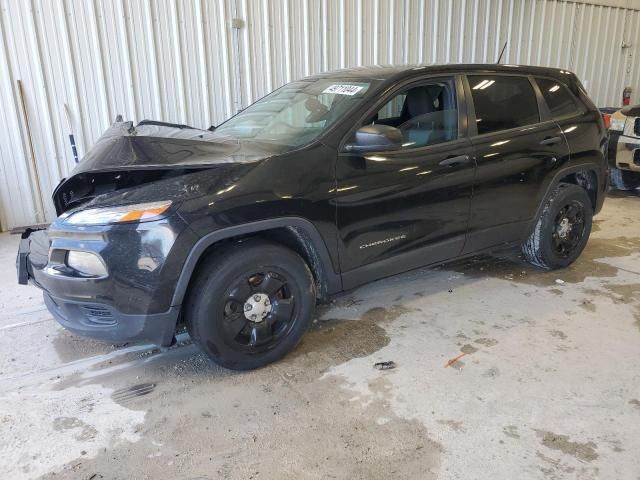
x,y
377,138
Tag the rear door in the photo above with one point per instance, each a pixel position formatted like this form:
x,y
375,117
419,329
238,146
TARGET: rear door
x,y
581,127
401,209
516,146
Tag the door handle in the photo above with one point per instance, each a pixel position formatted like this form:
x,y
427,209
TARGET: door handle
x,y
457,160
551,141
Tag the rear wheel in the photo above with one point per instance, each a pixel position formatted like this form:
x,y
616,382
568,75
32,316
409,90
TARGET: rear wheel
x,y
563,229
623,179
250,306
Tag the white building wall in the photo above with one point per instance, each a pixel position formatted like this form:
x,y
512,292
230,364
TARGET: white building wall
x,y
185,61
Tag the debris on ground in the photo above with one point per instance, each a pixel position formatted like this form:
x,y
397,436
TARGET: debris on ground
x,y
454,360
560,282
385,365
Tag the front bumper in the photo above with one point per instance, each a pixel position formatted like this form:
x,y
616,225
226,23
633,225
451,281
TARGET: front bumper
x,y
105,323
134,303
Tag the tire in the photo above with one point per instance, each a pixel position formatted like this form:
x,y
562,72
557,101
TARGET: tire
x,y
273,282
555,243
623,179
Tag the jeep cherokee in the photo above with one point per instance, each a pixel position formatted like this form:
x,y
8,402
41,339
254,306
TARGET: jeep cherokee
x,y
321,186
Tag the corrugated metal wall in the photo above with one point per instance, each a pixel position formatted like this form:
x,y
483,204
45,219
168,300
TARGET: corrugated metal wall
x,y
189,61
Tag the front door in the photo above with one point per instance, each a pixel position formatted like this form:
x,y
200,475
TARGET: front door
x,y
408,207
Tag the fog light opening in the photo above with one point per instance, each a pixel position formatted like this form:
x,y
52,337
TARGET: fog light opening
x,y
86,263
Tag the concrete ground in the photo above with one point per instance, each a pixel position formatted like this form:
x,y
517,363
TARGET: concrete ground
x,y
548,386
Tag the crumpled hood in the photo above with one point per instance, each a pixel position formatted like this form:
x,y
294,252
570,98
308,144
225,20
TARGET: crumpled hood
x,y
124,146
126,157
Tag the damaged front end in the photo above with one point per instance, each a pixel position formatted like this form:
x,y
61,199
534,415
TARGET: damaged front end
x,y
128,156
109,264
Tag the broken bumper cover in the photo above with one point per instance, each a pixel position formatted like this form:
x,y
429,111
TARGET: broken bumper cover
x,y
22,261
133,303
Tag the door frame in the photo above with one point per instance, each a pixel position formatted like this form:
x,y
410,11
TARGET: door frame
x,y
472,128
461,102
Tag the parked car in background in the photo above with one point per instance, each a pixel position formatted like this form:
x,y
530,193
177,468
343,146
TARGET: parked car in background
x,y
326,184
624,148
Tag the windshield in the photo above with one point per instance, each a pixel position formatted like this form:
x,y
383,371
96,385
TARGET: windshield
x,y
295,114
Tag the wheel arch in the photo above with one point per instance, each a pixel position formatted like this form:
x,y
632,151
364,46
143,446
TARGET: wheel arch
x,y
587,179
585,175
295,233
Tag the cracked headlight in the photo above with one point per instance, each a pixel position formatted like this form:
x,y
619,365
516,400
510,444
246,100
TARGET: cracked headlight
x,y
127,213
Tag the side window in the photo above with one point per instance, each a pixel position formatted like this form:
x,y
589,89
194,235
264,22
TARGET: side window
x,y
425,114
393,108
503,102
560,100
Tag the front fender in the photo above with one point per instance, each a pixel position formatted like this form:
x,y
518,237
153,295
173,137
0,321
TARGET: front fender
x,y
319,252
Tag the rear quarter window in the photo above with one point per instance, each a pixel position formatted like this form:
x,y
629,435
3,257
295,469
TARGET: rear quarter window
x,y
560,100
503,102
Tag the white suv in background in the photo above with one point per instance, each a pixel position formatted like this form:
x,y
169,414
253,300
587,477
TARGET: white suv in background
x,y
624,148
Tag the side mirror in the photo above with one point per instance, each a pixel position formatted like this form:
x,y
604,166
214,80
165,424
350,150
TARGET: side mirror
x,y
376,138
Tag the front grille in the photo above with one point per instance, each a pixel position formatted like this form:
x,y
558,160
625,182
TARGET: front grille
x,y
98,315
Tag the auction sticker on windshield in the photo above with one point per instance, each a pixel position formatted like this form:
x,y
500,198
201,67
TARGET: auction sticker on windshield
x,y
343,89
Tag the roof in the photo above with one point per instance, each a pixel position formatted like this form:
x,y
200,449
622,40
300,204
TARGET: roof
x,y
386,72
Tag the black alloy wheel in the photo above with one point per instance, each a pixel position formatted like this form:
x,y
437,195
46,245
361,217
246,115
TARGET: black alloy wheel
x,y
569,229
259,309
250,304
562,230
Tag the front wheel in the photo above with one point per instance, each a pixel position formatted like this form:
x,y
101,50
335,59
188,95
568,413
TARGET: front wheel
x,y
562,230
250,305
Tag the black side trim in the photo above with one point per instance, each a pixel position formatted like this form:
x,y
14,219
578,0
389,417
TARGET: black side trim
x,y
495,237
404,262
331,278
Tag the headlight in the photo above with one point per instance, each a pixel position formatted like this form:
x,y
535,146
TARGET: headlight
x,y
87,263
127,213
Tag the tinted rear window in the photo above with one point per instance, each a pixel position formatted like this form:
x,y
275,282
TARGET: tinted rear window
x,y
558,97
503,102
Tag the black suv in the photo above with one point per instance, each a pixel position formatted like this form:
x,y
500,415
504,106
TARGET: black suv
x,y
323,185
